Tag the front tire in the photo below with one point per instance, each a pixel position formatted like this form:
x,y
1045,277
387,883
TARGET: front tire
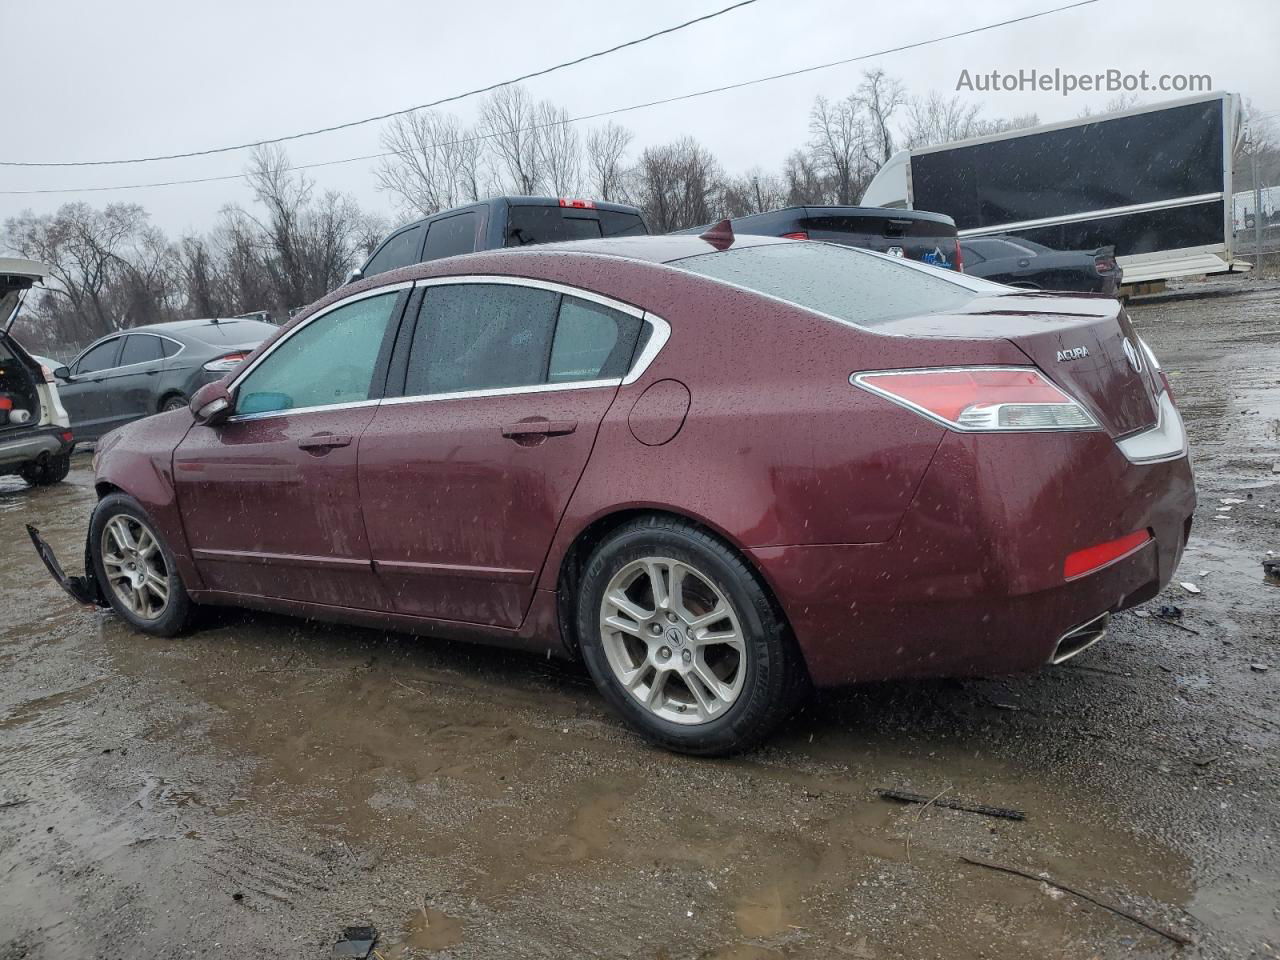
x,y
683,641
135,568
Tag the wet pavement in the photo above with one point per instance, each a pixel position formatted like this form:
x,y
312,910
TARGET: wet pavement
x,y
253,788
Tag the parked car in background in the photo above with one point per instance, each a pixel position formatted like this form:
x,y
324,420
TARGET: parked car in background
x,y
901,471
501,222
1024,263
35,432
145,370
911,234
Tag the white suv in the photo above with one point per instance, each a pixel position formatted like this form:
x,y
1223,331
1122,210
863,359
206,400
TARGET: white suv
x,y
35,431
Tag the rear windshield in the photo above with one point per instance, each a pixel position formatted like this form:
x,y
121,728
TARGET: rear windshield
x,y
850,285
232,331
526,225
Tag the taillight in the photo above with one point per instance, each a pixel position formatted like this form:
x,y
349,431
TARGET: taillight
x,y
580,204
227,362
1154,364
959,257
976,399
797,235
1093,558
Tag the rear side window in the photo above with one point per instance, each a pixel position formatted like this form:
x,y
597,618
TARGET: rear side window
x,y
480,336
169,347
101,357
399,250
140,348
451,236
842,282
330,360
592,342
526,225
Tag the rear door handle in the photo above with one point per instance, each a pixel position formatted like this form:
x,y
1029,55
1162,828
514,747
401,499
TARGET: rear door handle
x,y
324,441
542,428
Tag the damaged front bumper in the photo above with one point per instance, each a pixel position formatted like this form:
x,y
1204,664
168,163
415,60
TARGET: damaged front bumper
x,y
84,590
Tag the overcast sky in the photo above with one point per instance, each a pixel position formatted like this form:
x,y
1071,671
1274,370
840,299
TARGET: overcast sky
x,y
93,80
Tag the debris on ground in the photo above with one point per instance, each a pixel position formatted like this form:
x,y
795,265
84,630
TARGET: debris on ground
x,y
1169,612
1271,570
904,796
1188,586
1178,938
356,942
1259,667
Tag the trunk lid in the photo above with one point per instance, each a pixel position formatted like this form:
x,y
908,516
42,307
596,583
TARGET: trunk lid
x,y
1084,344
16,278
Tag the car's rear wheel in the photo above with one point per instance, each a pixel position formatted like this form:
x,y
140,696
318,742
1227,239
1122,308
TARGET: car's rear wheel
x,y
46,470
135,569
175,401
682,639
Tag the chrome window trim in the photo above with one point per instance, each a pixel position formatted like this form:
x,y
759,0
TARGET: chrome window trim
x,y
120,336
658,337
661,333
289,334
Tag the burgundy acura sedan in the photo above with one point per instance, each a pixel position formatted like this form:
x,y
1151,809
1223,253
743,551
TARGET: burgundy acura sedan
x,y
718,470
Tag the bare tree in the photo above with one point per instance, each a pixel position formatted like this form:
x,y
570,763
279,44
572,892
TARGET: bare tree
x,y
606,147
679,185
434,163
508,119
804,179
837,137
880,96
937,119
754,192
558,149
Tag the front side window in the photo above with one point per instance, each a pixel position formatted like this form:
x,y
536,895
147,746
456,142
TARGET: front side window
x,y
331,360
101,357
480,336
592,342
451,236
398,251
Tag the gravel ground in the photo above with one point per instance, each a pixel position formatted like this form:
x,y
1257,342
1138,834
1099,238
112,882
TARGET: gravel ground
x,y
255,787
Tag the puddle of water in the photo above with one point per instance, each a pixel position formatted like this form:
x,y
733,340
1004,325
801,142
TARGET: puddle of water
x,y
429,930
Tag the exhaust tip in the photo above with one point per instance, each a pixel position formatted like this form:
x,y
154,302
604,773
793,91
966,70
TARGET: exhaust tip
x,y
1080,639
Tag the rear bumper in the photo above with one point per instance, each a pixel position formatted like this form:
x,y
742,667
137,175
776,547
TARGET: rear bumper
x,y
972,583
32,444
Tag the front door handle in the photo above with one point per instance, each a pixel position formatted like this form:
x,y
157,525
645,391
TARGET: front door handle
x,y
539,428
324,441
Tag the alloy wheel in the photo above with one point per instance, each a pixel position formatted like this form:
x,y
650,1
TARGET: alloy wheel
x,y
135,567
673,640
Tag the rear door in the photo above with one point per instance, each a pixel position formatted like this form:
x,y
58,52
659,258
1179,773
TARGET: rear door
x,y
465,476
132,385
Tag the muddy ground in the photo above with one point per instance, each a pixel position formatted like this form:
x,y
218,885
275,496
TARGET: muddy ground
x,y
251,789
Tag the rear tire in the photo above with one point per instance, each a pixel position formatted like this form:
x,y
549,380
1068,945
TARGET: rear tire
x,y
705,668
175,401
47,470
135,568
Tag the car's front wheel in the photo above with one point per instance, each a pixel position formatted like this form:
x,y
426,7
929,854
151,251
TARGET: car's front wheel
x,y
136,569
682,639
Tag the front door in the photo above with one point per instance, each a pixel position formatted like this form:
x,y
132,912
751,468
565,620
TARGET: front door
x,y
87,395
269,497
465,476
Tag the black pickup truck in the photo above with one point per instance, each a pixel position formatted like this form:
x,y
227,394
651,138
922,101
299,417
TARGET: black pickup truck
x,y
501,222
913,234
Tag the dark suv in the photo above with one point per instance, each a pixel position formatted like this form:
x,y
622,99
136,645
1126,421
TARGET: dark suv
x,y
913,234
501,222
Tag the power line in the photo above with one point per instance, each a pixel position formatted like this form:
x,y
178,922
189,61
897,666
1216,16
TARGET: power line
x,y
593,116
394,113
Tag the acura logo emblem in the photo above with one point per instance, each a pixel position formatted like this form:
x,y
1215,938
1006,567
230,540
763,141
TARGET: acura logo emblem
x,y
1132,355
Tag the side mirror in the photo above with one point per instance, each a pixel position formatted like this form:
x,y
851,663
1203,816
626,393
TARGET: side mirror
x,y
354,275
62,372
212,403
